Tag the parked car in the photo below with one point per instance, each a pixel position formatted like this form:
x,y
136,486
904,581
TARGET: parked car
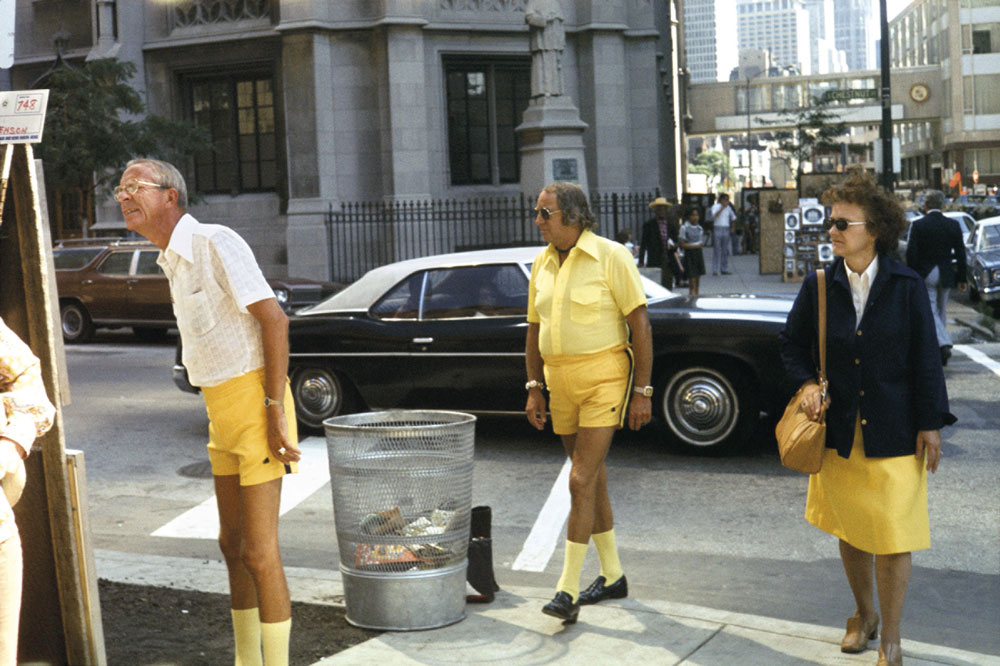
x,y
109,283
448,332
984,262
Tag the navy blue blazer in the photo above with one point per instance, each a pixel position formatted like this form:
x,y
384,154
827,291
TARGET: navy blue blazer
x,y
888,368
934,239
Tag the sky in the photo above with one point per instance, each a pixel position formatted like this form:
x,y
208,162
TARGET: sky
x,y
893,7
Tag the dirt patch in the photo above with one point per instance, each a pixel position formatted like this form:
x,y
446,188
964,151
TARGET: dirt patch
x,y
146,625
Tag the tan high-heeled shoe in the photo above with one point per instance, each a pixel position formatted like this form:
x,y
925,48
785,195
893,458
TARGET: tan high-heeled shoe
x,y
890,654
858,634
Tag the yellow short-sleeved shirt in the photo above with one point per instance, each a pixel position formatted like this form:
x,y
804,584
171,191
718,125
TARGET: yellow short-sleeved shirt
x,y
581,306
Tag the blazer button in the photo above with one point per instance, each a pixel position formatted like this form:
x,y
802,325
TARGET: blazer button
x,y
857,361
861,392
859,332
864,421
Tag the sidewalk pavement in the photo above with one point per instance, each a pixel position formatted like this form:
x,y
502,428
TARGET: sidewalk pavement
x,y
512,630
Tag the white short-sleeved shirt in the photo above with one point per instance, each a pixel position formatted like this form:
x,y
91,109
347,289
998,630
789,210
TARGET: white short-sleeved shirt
x,y
723,216
213,278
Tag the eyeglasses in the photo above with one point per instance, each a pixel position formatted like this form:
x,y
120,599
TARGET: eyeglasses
x,y
839,222
133,186
544,212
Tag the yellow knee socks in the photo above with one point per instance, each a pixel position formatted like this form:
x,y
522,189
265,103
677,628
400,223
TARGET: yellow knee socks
x,y
569,582
246,632
607,550
275,638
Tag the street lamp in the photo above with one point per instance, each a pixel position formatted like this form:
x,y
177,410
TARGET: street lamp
x,y
749,155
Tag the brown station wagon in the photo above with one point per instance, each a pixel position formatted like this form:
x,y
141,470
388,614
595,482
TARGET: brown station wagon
x,y
109,283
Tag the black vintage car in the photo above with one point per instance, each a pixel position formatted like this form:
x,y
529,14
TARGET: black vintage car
x,y
448,332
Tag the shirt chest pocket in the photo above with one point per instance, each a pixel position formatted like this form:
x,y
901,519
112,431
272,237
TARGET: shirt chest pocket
x,y
585,305
201,311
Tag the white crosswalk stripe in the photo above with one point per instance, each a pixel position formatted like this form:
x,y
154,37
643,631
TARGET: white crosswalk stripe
x,y
202,521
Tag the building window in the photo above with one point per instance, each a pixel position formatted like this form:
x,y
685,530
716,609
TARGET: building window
x,y
981,94
485,103
238,110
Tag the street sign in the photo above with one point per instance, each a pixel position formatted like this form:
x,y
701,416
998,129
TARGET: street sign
x,y
850,93
22,115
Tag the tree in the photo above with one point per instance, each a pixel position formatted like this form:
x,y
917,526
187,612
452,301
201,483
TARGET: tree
x,y
92,129
715,165
817,132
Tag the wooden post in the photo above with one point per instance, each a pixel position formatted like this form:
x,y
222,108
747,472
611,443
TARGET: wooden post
x,y
29,305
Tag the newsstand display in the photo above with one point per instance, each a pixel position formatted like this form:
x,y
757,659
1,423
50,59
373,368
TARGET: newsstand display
x,y
807,244
402,497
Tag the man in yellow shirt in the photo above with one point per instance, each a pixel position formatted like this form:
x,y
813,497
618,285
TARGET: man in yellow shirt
x,y
584,300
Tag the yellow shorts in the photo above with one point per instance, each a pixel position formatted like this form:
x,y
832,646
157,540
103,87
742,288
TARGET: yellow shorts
x,y
588,390
237,429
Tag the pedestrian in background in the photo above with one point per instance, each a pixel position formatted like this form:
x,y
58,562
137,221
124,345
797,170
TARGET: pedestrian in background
x,y
935,243
655,244
624,236
887,405
723,216
585,305
691,240
235,347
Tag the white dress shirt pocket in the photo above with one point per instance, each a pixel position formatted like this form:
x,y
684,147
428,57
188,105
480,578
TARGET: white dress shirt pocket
x,y
201,312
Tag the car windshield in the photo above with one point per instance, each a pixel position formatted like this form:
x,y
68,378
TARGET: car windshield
x,y
991,237
70,260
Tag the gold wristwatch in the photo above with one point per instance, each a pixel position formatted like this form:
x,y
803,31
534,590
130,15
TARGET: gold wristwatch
x,y
644,390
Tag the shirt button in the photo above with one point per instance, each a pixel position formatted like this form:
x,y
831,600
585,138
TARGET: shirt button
x,y
864,421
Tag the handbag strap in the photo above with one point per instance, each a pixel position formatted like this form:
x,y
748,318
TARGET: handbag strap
x,y
821,297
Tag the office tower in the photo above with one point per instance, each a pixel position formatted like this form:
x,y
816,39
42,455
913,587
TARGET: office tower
x,y
780,26
854,32
709,48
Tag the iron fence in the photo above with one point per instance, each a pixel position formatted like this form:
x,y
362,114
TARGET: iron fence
x,y
366,234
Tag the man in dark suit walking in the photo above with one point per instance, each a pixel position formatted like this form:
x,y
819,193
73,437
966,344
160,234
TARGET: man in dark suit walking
x,y
934,241
658,246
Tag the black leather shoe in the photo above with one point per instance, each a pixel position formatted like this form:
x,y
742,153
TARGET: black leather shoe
x,y
562,607
598,591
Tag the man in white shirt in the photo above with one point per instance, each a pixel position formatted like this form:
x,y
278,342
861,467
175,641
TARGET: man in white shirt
x,y
723,215
235,339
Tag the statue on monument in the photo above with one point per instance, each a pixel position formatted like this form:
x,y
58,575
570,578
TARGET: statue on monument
x,y
548,38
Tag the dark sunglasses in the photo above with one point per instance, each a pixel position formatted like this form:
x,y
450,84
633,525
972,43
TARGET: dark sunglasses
x,y
544,212
839,222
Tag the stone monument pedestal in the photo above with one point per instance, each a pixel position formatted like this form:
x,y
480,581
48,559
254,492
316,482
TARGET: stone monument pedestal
x,y
551,144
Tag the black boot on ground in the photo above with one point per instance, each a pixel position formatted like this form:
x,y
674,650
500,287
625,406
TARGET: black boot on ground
x,y
480,571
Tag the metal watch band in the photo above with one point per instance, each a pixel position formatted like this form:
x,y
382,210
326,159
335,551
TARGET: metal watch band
x,y
534,383
644,390
269,402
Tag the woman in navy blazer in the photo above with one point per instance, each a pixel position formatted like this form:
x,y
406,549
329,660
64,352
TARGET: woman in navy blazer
x,y
887,404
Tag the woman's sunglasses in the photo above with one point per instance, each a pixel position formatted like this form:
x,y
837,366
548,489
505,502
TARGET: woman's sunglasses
x,y
839,222
544,212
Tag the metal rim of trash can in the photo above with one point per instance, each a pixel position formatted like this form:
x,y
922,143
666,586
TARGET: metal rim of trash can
x,y
375,422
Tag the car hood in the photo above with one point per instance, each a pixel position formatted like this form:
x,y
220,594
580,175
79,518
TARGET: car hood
x,y
990,257
763,307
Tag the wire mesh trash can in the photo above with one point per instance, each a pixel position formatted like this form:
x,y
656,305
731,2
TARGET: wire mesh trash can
x,y
402,498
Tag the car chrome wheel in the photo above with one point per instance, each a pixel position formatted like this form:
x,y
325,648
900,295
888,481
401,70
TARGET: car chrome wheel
x,y
318,395
75,323
702,407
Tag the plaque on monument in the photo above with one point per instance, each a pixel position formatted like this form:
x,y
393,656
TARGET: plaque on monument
x,y
565,169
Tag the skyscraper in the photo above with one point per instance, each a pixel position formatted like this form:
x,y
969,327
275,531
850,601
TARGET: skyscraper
x,y
825,57
709,48
780,26
854,32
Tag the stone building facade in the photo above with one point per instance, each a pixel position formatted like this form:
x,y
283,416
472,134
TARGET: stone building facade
x,y
313,103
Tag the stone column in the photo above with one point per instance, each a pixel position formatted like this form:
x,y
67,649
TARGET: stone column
x,y
309,134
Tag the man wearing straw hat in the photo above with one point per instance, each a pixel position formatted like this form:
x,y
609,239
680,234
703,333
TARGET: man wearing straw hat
x,y
658,246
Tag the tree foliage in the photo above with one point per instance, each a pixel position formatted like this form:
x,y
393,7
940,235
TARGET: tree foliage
x,y
817,132
93,126
715,165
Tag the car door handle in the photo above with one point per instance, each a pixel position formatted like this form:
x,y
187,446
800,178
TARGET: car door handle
x,y
423,341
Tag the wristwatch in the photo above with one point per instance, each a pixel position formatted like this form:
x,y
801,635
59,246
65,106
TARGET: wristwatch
x,y
534,383
644,390
270,403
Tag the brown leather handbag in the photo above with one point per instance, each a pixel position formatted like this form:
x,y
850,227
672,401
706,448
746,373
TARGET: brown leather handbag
x,y
801,442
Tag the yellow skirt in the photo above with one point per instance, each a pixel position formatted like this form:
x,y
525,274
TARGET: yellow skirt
x,y
878,505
